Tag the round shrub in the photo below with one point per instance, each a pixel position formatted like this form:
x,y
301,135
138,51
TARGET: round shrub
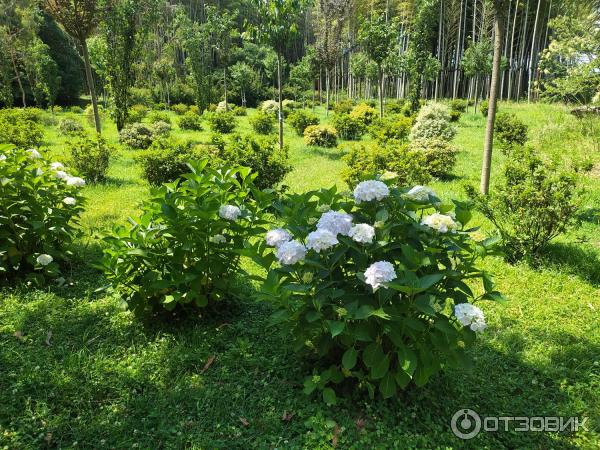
x,y
19,128
440,155
90,156
190,121
348,127
301,119
458,105
391,128
137,113
483,107
262,122
70,127
159,116
269,106
184,251
221,122
136,135
433,121
239,110
395,106
179,108
76,109
89,114
160,129
194,109
510,131
343,106
455,115
221,106
320,136
374,290
289,106
364,113
40,204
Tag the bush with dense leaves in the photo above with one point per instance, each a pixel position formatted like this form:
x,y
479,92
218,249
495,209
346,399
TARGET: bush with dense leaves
x,y
184,250
269,106
221,122
301,119
40,204
348,127
262,122
190,121
239,111
376,289
394,128
433,121
159,116
343,106
320,136
396,106
20,127
90,156
137,113
440,155
455,115
368,160
89,114
179,108
510,131
483,107
534,203
364,113
137,135
160,129
70,127
458,105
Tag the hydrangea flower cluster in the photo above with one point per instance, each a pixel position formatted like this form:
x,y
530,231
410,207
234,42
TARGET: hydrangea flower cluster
x,y
363,233
218,239
44,259
34,154
367,191
378,273
277,237
321,239
420,194
440,222
335,222
470,316
229,212
291,252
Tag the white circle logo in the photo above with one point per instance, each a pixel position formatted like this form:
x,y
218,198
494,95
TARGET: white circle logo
x,y
466,424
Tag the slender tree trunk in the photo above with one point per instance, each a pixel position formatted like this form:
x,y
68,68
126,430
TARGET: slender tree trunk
x,y
18,77
225,87
491,117
327,92
280,115
90,82
381,93
532,57
458,52
512,46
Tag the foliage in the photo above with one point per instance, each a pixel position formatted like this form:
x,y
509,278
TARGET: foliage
x,y
510,131
262,122
391,128
301,119
179,109
440,155
364,112
20,127
458,105
185,248
348,127
455,115
535,203
159,116
483,107
269,106
160,129
221,122
320,136
136,135
137,113
433,121
376,297
190,121
90,156
89,114
343,106
39,212
369,160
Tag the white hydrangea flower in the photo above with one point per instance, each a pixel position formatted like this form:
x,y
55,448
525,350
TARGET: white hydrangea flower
x,y
363,233
378,273
291,252
218,239
277,237
2,157
440,222
44,259
75,181
61,174
335,222
69,201
420,193
321,239
369,190
57,166
4,181
470,316
33,153
229,212
39,172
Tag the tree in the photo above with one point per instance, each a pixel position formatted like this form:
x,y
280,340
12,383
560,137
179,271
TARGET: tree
x,y
244,77
79,18
42,72
477,63
277,27
377,36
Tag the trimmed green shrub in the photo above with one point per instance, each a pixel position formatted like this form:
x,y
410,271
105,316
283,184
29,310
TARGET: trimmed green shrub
x,y
343,106
190,121
160,129
455,115
89,114
483,107
433,121
137,113
365,113
90,156
20,128
159,116
70,127
262,122
391,128
320,136
221,122
440,155
510,131
194,109
269,106
395,106
301,119
40,206
239,111
184,250
179,108
458,105
136,135
348,127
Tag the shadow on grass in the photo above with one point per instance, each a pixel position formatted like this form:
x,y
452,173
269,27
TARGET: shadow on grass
x,y
573,260
334,154
591,215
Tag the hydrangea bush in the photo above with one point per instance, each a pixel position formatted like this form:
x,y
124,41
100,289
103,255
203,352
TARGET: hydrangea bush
x,y
380,286
433,122
40,204
320,136
185,248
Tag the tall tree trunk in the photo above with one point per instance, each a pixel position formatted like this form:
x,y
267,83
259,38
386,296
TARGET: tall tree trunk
x,y
327,92
491,117
280,115
458,52
18,77
381,93
225,87
512,46
532,57
90,82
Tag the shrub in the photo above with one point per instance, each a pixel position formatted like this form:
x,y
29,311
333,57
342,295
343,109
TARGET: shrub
x,y
19,128
32,114
70,127
301,119
262,122
348,127
179,108
221,106
391,128
343,106
534,204
221,122
159,116
137,113
395,106
510,131
239,110
136,135
376,293
455,115
89,114
269,106
483,107
76,109
458,105
190,121
160,129
289,106
433,121
194,109
40,206
369,160
90,157
440,155
320,136
185,248
364,112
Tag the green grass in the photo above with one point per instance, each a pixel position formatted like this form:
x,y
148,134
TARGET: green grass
x,y
109,380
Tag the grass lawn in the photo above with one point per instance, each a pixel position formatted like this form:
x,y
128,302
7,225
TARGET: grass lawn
x,y
77,371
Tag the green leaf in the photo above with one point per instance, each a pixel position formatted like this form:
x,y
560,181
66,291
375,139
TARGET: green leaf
x,y
336,327
429,280
380,369
329,396
349,358
387,386
363,312
309,385
372,354
423,304
382,215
